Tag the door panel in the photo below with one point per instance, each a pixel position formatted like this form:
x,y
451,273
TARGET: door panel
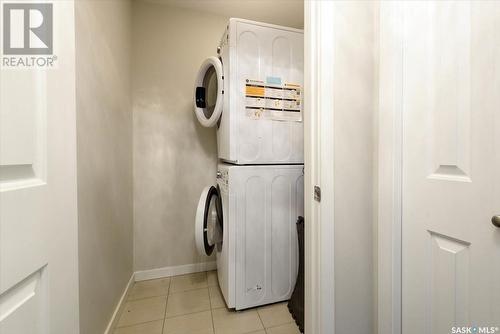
x,y
282,246
450,104
22,133
449,267
269,200
38,216
255,233
449,87
25,305
249,66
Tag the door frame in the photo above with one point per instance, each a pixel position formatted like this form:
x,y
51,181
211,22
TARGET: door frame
x,y
390,168
318,73
319,166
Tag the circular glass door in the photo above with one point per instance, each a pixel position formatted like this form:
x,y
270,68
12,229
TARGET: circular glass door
x,y
208,229
208,92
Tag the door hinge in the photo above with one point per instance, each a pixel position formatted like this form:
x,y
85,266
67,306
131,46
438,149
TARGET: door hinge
x,y
317,193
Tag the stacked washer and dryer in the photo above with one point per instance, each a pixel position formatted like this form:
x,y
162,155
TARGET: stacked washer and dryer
x,y
251,92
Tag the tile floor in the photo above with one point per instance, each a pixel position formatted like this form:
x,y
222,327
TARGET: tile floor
x,y
193,304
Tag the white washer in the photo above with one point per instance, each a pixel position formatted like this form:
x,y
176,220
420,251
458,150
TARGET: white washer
x,y
255,209
252,93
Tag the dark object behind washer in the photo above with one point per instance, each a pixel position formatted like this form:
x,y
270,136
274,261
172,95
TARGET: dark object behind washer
x,y
296,302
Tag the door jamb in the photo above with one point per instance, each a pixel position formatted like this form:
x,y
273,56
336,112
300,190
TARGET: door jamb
x,y
319,167
390,167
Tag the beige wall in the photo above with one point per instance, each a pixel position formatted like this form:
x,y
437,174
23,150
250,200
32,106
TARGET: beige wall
x,y
355,91
104,165
174,157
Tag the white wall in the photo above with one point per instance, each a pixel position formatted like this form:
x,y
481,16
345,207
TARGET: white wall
x,y
174,157
354,96
104,157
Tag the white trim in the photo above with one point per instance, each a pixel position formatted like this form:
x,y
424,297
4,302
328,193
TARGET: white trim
x,y
390,157
114,318
319,158
143,275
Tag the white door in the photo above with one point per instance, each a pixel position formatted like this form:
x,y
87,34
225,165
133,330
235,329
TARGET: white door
x,y
208,92
209,223
451,166
38,217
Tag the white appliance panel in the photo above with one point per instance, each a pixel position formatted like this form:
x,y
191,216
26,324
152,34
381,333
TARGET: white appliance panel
x,y
267,200
261,131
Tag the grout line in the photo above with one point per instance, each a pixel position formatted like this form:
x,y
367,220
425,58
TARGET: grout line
x,y
261,322
191,289
213,323
144,298
211,309
166,303
148,297
186,314
137,324
192,312
286,323
185,291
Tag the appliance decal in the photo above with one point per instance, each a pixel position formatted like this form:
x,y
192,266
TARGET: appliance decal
x,y
273,100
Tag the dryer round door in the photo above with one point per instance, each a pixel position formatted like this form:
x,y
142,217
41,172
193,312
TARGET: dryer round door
x,y
209,90
209,223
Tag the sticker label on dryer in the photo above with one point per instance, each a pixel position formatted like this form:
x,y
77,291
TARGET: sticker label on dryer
x,y
273,80
273,100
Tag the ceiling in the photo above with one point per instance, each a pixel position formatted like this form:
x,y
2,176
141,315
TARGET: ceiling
x,y
283,12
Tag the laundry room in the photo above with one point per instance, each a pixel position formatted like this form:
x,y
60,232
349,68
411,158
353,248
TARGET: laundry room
x,y
184,51
199,167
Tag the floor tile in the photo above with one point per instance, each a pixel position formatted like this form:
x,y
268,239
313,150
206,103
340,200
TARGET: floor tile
x,y
188,302
142,310
274,315
153,327
231,322
216,298
195,323
290,328
150,288
212,278
188,282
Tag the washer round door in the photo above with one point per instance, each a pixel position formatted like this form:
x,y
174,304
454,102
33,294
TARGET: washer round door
x,y
209,90
209,223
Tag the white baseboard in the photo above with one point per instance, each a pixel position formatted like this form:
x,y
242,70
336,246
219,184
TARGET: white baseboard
x,y
116,313
174,270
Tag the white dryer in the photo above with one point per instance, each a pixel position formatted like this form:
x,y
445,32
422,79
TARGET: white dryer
x,y
248,220
252,92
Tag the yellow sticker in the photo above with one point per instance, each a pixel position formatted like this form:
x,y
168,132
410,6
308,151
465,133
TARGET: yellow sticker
x,y
255,91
